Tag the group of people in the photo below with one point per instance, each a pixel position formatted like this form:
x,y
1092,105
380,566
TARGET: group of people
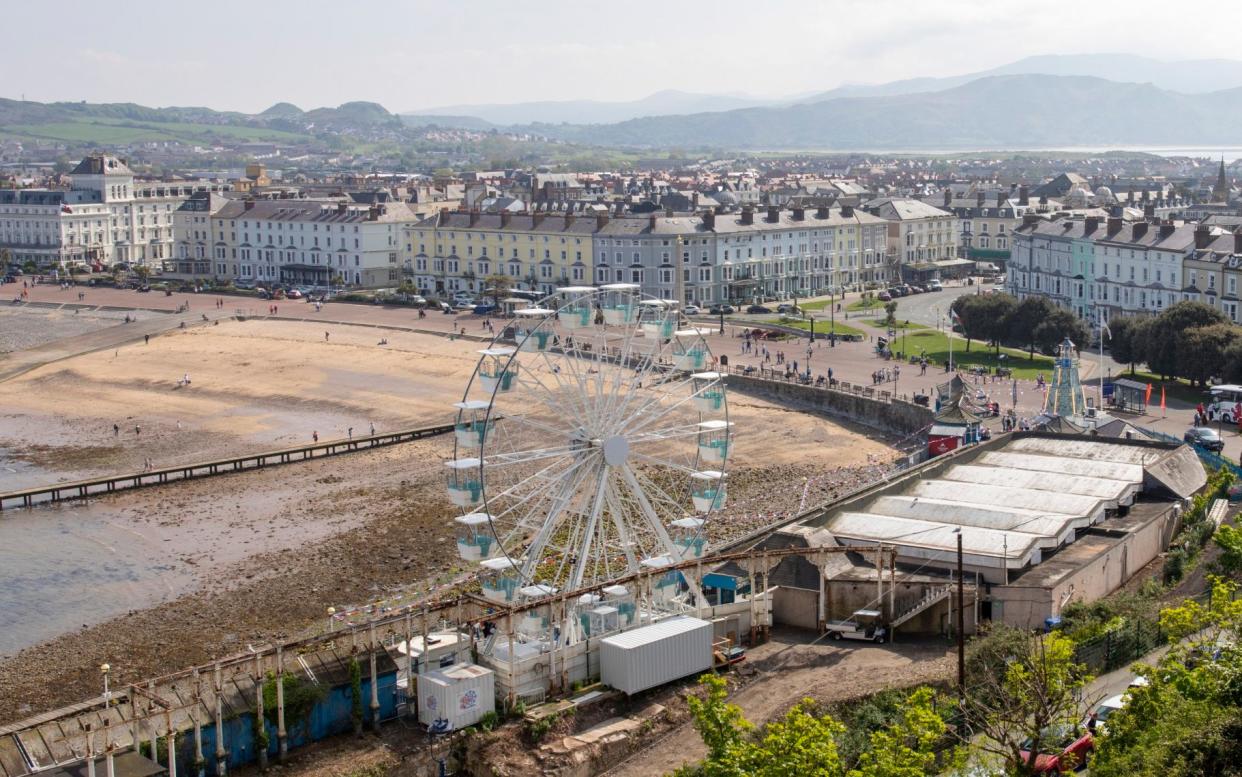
x,y
885,374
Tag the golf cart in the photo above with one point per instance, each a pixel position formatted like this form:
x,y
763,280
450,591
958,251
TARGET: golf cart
x,y
863,624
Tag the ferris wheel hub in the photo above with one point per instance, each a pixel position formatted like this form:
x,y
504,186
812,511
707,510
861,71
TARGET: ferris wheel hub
x,y
616,451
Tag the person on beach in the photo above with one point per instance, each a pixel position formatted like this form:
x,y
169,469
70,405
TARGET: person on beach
x,y
315,436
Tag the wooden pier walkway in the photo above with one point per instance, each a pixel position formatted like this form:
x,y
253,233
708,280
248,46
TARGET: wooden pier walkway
x,y
81,489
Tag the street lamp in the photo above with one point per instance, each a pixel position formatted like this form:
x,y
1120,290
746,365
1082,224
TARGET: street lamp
x,y
331,614
104,669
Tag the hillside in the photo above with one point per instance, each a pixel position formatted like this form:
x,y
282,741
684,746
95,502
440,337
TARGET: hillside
x,y
1020,111
663,103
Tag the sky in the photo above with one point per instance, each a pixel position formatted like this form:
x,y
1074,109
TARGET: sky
x,y
233,55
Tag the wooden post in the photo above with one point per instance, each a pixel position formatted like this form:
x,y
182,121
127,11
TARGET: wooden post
x,y
221,754
282,734
260,723
698,590
199,767
754,602
375,705
879,576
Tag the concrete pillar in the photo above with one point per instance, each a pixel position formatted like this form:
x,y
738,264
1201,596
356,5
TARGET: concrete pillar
x,y
260,721
754,601
198,727
171,736
879,576
111,767
90,752
411,687
375,705
222,766
698,590
822,618
282,734
892,583
152,732
512,675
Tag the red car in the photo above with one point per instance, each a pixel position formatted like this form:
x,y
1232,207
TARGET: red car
x,y
1062,749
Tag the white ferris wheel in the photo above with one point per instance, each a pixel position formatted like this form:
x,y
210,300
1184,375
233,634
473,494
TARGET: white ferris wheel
x,y
591,443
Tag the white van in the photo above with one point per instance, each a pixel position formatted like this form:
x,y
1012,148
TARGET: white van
x,y
934,285
1224,403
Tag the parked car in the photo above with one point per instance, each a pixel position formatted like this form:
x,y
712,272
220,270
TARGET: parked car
x,y
483,310
718,310
934,285
691,310
787,307
884,296
917,289
760,309
464,304
1105,709
1062,748
293,294
863,624
1204,437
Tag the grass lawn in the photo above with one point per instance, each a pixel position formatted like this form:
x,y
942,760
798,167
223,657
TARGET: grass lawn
x,y
908,326
819,304
865,304
936,347
821,327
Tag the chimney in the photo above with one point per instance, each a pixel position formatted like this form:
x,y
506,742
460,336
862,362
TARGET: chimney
x,y
342,208
1024,195
799,214
1130,197
1149,211
247,204
1237,242
948,197
1146,195
569,217
1000,199
1114,225
774,213
847,211
536,218
694,201
1091,224
1203,236
980,198
601,220
620,210
1138,230
504,218
748,215
821,212
1029,219
709,219
1166,229
651,221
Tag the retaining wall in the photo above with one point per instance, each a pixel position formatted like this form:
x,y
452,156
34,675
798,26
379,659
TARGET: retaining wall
x,y
897,416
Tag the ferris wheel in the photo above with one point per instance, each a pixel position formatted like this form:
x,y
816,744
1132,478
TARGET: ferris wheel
x,y
591,442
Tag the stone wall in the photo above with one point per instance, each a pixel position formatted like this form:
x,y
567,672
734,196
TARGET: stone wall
x,y
897,417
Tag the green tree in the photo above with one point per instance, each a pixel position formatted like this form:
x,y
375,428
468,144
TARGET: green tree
x,y
498,286
985,317
805,741
1202,351
890,313
1056,327
1127,338
1023,323
1020,686
1229,540
1165,333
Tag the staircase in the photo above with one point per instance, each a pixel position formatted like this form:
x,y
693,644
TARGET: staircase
x,y
930,599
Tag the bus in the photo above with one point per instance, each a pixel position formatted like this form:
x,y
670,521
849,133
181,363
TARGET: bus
x,y
1224,405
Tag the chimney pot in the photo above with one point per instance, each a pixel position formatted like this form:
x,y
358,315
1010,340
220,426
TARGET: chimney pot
x,y
709,219
1091,224
774,213
1237,242
1114,225
1203,236
1138,230
1024,195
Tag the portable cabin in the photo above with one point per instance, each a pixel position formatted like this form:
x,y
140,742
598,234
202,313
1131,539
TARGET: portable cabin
x,y
531,331
604,619
576,310
714,441
708,391
657,318
474,536
498,370
707,489
472,424
689,537
465,481
620,303
623,599
689,350
456,697
499,578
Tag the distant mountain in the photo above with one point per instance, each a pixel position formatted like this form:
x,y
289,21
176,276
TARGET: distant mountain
x,y
1018,111
1192,76
596,111
283,111
456,122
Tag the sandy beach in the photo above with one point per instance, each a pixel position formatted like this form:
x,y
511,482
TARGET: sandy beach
x,y
157,579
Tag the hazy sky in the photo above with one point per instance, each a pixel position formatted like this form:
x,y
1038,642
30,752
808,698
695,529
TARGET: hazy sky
x,y
247,55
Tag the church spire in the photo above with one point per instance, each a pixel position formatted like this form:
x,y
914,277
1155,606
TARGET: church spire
x,y
1220,192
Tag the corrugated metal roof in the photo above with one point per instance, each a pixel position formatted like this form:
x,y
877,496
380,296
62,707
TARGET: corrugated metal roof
x,y
1026,498
1115,470
645,635
1100,488
1055,528
1087,449
934,535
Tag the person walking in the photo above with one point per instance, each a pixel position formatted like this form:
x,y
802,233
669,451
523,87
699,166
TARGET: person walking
x,y
315,436
146,339
137,430
372,428
116,430
325,337
350,432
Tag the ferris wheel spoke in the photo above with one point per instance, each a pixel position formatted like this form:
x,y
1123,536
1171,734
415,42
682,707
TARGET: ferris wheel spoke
x,y
525,457
563,387
526,420
563,500
622,527
588,535
641,375
669,433
553,399
652,411
648,512
661,462
541,474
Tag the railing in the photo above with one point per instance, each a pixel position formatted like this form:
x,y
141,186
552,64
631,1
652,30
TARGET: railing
x,y
81,489
933,597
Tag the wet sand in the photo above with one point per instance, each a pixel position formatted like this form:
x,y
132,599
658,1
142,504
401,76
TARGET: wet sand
x,y
154,580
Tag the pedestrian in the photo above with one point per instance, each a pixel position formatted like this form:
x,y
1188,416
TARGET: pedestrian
x,y
137,430
372,428
315,436
350,432
325,337
116,430
146,339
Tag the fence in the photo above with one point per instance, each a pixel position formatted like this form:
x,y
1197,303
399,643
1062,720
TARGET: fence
x,y
1213,460
1120,647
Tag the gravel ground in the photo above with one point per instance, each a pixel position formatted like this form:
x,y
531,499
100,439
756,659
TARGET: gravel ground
x,y
27,327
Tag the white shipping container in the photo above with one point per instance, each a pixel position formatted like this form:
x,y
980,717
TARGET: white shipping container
x,y
455,697
648,656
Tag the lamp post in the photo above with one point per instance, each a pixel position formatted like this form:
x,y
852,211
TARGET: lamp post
x,y
832,327
331,614
104,669
961,623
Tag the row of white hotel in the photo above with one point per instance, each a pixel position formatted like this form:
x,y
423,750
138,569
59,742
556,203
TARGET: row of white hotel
x,y
1097,266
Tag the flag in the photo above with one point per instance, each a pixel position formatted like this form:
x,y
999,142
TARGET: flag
x,y
66,209
1107,331
1162,396
1147,396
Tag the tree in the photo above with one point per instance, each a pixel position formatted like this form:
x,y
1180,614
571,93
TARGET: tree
x,y
1164,334
1202,351
1059,325
1025,319
499,285
995,310
1020,685
143,272
1127,339
805,741
1229,540
890,312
